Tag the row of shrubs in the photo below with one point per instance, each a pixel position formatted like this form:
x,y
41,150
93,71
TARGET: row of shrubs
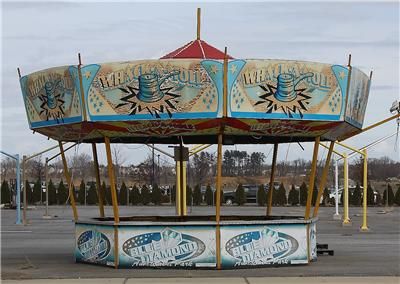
x,y
59,195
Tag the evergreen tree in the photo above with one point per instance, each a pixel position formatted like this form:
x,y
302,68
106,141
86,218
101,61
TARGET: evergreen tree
x,y
135,196
397,196
173,193
261,195
378,200
62,193
156,195
189,195
356,196
37,191
145,193
303,193
215,197
5,193
209,195
91,198
282,200
293,197
370,195
122,197
52,193
81,193
314,194
197,195
107,193
240,195
390,201
29,194
342,198
325,197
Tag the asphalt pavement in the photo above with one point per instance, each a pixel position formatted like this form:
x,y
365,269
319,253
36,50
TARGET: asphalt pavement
x,y
43,249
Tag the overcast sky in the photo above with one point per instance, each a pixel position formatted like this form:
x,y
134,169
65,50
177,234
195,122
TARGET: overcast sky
x,y
38,35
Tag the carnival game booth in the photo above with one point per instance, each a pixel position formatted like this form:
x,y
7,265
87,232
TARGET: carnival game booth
x,y
197,94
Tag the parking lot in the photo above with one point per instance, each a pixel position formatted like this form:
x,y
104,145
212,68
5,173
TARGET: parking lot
x,y
44,248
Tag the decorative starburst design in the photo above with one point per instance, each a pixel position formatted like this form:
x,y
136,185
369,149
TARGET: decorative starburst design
x,y
165,105
298,105
53,110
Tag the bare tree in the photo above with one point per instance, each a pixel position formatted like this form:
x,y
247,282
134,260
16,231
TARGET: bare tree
x,y
119,159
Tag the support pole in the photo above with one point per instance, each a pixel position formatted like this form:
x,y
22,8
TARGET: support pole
x,y
364,226
69,181
100,193
323,179
346,219
336,216
111,175
198,23
271,180
184,186
218,201
46,174
312,178
18,188
24,193
177,189
181,185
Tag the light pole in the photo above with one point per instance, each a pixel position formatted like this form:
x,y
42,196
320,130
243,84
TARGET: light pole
x,y
18,185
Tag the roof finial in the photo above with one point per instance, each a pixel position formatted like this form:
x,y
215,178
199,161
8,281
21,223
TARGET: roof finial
x,y
198,23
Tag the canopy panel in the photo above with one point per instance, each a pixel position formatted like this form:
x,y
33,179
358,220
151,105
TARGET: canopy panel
x,y
162,99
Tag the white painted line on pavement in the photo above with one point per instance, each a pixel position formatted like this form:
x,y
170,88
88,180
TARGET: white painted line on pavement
x,y
15,231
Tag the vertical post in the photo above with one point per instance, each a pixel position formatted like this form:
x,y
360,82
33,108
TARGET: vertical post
x,y
24,187
111,175
218,201
364,226
198,23
177,189
184,186
323,179
46,174
181,185
69,181
153,169
225,84
18,188
271,180
312,178
100,193
346,219
336,190
81,88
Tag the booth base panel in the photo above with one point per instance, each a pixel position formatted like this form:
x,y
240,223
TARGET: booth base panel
x,y
193,244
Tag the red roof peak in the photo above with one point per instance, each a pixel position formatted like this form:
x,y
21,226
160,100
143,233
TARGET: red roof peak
x,y
196,49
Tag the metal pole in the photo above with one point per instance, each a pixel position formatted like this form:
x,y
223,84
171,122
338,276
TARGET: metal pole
x,y
158,170
177,189
364,226
336,190
18,187
112,180
100,193
323,179
346,219
312,178
271,180
184,191
24,187
152,171
46,173
218,201
182,194
198,23
69,181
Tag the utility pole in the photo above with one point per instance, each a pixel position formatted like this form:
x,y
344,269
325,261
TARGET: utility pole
x,y
152,172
